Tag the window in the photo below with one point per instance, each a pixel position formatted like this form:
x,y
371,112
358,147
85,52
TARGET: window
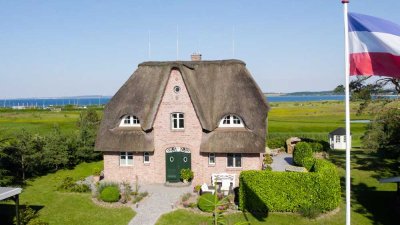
x,y
337,137
234,160
130,121
126,159
146,157
211,158
177,89
177,120
231,121
344,139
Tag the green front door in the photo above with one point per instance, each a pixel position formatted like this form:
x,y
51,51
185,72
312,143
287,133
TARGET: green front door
x,y
176,158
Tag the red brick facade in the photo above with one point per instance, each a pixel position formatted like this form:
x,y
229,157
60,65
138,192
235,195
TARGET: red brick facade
x,y
165,137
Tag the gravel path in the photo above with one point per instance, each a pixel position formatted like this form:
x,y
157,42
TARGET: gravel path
x,y
161,200
281,161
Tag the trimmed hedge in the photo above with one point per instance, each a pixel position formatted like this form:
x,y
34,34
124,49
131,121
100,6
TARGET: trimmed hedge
x,y
289,192
303,155
206,202
274,143
110,194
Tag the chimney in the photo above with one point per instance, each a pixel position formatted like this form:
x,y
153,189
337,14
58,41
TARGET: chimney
x,y
195,57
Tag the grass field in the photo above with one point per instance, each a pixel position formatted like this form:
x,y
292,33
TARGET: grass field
x,y
38,121
312,119
61,208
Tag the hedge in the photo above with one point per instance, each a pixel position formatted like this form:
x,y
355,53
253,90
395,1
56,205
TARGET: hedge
x,y
110,194
289,191
303,155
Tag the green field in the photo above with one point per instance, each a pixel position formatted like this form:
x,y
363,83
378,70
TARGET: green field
x,y
38,121
312,119
372,202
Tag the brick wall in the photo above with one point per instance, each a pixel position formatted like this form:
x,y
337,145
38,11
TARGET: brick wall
x,y
165,137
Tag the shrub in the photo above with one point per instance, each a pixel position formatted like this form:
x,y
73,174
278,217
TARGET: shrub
x,y
302,154
68,184
80,188
97,171
186,174
139,197
267,159
288,192
126,192
103,185
308,163
206,202
309,211
37,221
26,214
316,147
110,194
277,142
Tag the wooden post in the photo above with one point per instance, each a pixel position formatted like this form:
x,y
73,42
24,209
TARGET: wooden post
x,y
16,200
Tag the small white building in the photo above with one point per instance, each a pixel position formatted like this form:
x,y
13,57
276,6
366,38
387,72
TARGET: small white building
x,y
337,138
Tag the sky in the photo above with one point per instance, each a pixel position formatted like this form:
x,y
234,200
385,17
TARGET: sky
x,y
74,48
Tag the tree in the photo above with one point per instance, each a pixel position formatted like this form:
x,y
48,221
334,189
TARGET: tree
x,y
24,153
383,136
339,89
88,124
55,152
5,177
395,82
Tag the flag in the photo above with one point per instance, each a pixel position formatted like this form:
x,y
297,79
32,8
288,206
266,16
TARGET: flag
x,y
374,46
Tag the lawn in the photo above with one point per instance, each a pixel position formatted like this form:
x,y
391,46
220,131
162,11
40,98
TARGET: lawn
x,y
67,208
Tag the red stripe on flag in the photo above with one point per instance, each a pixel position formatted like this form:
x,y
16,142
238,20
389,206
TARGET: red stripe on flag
x,y
375,63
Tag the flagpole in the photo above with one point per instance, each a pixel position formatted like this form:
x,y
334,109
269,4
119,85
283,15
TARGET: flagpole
x,y
347,100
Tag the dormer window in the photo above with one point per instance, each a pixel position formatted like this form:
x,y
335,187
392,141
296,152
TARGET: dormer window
x,y
129,121
231,121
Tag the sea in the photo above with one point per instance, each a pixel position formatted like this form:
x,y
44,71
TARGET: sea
x,y
21,103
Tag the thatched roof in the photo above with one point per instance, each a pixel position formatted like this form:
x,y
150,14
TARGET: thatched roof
x,y
216,88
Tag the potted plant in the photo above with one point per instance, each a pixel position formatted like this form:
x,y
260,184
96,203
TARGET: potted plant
x,y
186,175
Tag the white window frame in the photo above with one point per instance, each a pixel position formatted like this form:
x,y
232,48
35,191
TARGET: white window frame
x,y
179,116
211,155
337,138
231,121
125,161
133,121
144,158
234,155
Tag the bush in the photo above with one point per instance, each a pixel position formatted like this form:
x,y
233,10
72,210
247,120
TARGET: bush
x,y
303,155
206,202
186,174
308,163
288,192
110,194
26,214
37,221
103,185
277,142
68,184
316,147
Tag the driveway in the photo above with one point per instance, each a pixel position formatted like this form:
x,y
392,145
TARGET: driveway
x,y
281,161
161,200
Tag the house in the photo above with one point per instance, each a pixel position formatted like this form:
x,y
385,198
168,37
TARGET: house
x,y
337,138
209,116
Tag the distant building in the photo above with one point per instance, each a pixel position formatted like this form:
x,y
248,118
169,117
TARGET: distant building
x,y
209,116
337,138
